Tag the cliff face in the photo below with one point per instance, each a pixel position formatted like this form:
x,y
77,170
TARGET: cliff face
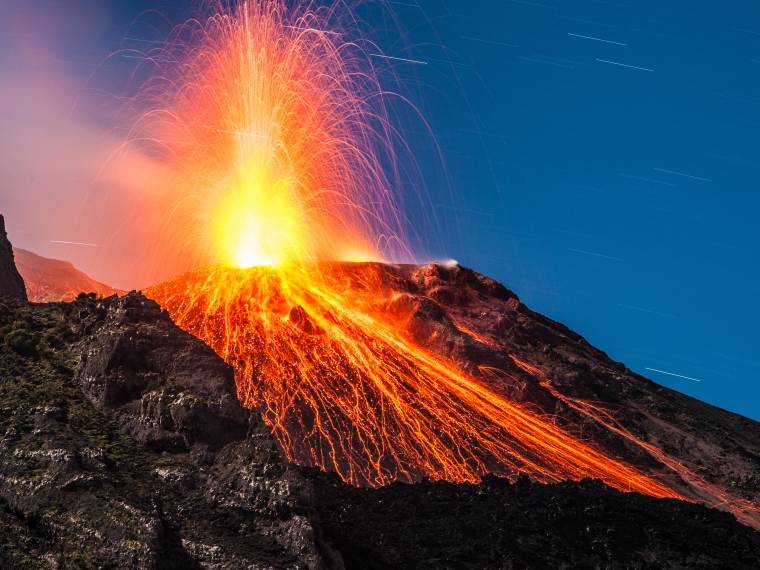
x,y
123,447
11,283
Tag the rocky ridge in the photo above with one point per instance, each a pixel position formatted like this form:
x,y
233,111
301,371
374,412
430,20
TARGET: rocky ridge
x,y
54,279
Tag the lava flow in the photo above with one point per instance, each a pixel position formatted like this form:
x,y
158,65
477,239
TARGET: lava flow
x,y
288,161
327,362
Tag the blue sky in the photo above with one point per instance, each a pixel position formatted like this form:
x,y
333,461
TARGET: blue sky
x,y
620,201
602,162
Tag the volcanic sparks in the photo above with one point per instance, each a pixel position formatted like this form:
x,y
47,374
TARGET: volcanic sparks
x,y
280,138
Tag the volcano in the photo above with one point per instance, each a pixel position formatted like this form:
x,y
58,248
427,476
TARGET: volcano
x,y
307,395
125,445
384,373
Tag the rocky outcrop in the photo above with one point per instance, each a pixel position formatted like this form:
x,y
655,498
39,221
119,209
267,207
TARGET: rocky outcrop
x,y
123,446
165,387
11,283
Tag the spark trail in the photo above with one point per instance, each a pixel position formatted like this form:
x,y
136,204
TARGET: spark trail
x,y
709,493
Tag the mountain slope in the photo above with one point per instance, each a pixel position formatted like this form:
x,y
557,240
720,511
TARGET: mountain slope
x,y
55,280
398,372
714,452
123,446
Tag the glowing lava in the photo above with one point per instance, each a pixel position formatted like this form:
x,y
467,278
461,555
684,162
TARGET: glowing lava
x,y
279,137
258,220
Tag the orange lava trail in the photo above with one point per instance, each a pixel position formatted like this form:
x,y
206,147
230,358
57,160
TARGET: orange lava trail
x,y
711,494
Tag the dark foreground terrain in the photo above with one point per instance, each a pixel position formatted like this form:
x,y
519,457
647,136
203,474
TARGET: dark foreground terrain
x,y
123,446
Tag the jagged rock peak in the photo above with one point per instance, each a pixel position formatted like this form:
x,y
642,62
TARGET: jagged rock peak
x,y
11,283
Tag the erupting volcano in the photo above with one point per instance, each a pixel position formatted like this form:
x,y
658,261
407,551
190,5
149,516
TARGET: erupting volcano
x,y
291,170
280,137
277,363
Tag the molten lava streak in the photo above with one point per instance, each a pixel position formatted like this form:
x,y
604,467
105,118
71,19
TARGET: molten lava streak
x,y
279,131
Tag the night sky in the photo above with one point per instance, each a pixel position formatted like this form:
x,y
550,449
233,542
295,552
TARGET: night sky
x,y
599,158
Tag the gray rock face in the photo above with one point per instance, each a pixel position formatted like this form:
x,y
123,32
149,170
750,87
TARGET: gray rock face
x,y
11,283
124,446
166,388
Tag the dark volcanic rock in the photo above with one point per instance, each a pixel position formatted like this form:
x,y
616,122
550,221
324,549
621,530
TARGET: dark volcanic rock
x,y
167,388
525,525
123,446
11,284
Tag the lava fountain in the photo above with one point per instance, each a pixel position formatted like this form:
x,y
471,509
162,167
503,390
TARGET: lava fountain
x,y
289,162
280,137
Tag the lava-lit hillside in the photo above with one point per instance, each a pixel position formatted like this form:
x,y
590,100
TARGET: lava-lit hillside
x,y
302,376
384,373
54,279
